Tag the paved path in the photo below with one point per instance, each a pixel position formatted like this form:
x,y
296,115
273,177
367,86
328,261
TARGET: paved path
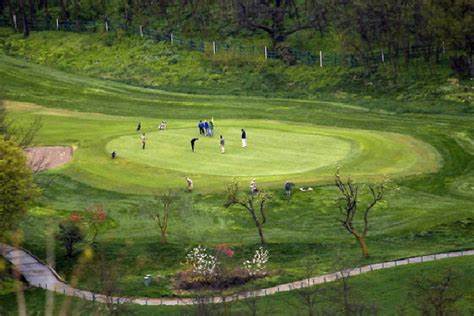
x,y
40,275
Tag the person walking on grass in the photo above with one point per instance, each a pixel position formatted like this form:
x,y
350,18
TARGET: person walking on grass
x,y
139,126
244,138
143,140
192,143
222,143
189,183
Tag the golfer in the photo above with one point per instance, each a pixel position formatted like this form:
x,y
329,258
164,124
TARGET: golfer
x,y
244,138
189,183
222,143
201,128
143,140
192,143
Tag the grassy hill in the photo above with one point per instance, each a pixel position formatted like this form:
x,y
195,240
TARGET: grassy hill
x,y
418,87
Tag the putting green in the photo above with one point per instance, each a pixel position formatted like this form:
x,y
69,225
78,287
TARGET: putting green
x,y
270,152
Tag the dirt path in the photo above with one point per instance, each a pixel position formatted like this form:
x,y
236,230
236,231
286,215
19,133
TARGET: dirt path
x,y
40,275
47,157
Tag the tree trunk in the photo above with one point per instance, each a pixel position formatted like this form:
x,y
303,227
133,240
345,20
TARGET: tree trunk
x,y
260,233
26,29
32,12
363,246
164,240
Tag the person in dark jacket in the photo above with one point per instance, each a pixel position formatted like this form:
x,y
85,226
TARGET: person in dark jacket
x,y
244,138
139,126
192,143
201,128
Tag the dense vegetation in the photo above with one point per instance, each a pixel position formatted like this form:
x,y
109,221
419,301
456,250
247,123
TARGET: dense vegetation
x,y
362,28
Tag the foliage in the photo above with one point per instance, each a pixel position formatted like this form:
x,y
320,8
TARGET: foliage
x,y
69,235
17,189
202,263
258,264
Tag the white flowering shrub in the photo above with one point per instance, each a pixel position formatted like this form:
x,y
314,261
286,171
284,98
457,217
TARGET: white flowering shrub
x,y
258,264
202,263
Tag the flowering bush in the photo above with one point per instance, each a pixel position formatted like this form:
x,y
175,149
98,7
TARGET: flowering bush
x,y
202,263
258,264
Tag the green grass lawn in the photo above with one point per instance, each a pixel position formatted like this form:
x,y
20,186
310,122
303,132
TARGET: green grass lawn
x,y
389,290
430,158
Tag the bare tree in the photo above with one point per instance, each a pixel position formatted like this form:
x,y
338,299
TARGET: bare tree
x,y
254,203
349,203
161,215
308,295
436,294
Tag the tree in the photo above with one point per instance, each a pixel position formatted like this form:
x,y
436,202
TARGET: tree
x,y
24,18
278,18
69,235
436,294
254,203
161,215
308,295
349,204
94,219
17,189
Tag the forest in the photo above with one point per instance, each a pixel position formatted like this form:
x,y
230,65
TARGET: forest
x,y
401,28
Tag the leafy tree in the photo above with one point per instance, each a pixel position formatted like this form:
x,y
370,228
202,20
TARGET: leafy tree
x,y
69,235
349,205
17,189
254,203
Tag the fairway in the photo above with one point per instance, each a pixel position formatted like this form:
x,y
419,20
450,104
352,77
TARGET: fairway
x,y
270,152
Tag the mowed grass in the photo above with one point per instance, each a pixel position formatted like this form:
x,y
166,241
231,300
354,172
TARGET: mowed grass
x,y
425,156
277,151
387,290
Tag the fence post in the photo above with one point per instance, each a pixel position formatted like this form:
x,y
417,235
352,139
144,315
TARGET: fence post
x,y
383,57
320,58
57,24
171,38
141,30
266,52
14,22
106,26
214,47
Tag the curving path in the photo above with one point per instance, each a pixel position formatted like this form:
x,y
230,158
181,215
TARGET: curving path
x,y
40,275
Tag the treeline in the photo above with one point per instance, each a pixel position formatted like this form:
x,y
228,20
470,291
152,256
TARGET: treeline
x,y
364,28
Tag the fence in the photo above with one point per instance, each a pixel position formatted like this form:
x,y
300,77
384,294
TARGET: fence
x,y
319,58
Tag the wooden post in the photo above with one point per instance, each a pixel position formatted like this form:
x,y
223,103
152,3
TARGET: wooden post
x,y
15,23
171,38
57,24
141,30
214,47
106,26
320,58
266,52
383,57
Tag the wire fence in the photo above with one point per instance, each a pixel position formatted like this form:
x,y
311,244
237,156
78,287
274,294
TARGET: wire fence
x,y
319,58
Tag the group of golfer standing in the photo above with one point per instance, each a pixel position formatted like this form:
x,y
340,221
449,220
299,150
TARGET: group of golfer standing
x,y
207,129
